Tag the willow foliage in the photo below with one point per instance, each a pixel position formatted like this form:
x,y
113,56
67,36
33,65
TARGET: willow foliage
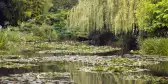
x,y
115,15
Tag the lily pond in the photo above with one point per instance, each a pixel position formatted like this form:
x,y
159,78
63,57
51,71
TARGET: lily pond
x,y
78,63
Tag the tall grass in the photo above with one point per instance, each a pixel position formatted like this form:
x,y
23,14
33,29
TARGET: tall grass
x,y
155,46
3,39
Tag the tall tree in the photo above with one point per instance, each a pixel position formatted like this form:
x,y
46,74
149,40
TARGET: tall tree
x,y
116,15
16,11
153,17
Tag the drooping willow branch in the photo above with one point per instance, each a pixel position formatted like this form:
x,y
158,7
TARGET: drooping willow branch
x,y
116,15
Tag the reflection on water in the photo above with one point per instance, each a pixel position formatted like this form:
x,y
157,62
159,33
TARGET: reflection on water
x,y
81,77
160,69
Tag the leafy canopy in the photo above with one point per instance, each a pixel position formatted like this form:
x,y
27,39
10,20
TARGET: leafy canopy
x,y
152,14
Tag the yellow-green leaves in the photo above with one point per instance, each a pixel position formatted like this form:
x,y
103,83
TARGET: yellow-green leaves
x,y
116,15
152,14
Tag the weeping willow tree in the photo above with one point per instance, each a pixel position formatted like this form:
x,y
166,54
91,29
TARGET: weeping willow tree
x,y
115,15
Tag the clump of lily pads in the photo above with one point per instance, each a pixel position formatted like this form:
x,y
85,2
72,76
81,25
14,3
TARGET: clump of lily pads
x,y
37,78
146,77
129,62
66,47
113,68
15,65
78,48
119,64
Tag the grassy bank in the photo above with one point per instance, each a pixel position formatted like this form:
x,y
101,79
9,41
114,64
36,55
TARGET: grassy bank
x,y
155,46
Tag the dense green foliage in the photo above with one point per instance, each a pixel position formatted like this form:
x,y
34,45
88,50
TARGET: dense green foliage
x,y
60,26
115,15
3,40
152,16
39,32
155,46
34,21
16,11
62,5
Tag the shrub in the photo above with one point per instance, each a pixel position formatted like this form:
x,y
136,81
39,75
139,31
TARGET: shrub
x,y
3,39
48,19
45,32
155,46
31,37
14,36
63,33
53,35
41,32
